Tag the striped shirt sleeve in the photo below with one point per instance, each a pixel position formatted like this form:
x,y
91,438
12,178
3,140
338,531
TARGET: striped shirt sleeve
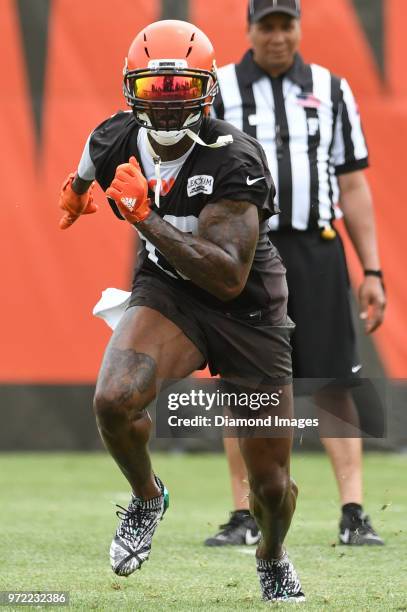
x,y
349,151
218,108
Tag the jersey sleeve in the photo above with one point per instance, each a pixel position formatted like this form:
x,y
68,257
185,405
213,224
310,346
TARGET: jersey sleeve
x,y
349,151
100,149
97,144
86,168
104,150
246,178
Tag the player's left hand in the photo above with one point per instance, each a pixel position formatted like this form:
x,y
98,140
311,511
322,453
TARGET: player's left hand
x,y
372,302
129,189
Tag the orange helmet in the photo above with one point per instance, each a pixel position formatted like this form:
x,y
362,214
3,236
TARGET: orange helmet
x,y
170,76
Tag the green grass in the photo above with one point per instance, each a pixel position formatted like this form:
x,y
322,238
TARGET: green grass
x,y
57,518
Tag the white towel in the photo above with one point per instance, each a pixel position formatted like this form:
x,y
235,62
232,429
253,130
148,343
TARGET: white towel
x,y
112,305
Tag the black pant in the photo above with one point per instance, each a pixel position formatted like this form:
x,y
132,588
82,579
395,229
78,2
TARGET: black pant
x,y
324,342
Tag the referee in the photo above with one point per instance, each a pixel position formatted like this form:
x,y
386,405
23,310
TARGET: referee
x,y
308,123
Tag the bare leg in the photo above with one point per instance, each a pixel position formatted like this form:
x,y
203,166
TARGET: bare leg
x,y
273,494
145,348
238,474
346,458
345,453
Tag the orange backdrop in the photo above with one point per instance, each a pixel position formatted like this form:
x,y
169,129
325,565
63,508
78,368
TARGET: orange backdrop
x,y
51,279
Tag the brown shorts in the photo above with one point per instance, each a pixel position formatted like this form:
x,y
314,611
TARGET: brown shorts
x,y
251,347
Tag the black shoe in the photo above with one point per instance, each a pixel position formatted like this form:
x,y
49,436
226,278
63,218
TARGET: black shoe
x,y
356,530
279,580
241,530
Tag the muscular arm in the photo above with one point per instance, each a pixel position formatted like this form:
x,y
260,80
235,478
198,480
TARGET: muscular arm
x,y
357,207
220,257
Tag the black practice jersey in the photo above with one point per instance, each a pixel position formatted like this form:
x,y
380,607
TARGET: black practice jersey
x,y
237,172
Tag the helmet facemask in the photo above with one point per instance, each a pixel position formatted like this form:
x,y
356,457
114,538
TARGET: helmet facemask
x,y
168,97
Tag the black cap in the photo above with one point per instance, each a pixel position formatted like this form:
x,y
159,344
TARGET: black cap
x,y
261,8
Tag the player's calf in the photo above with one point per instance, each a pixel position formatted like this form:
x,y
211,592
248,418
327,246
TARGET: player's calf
x,y
120,402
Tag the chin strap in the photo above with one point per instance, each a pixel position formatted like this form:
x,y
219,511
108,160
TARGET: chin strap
x,y
157,166
222,141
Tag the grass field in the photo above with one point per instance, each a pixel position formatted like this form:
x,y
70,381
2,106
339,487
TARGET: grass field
x,y
57,518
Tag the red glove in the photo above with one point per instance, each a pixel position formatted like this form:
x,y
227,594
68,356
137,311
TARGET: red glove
x,y
74,204
129,189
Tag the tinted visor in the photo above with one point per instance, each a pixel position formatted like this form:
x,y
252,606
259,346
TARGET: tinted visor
x,y
168,88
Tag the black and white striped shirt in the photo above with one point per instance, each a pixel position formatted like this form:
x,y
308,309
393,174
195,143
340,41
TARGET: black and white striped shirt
x,y
309,126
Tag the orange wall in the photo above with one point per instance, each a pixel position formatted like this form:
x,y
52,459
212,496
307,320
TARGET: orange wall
x,y
51,279
396,45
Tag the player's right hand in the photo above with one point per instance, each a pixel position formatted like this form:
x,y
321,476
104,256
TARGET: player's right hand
x,y
74,204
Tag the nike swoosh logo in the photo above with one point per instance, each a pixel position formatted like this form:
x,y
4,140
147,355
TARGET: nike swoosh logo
x,y
344,537
250,539
371,536
356,369
253,181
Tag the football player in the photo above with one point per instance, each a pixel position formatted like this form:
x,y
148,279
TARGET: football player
x,y
208,288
